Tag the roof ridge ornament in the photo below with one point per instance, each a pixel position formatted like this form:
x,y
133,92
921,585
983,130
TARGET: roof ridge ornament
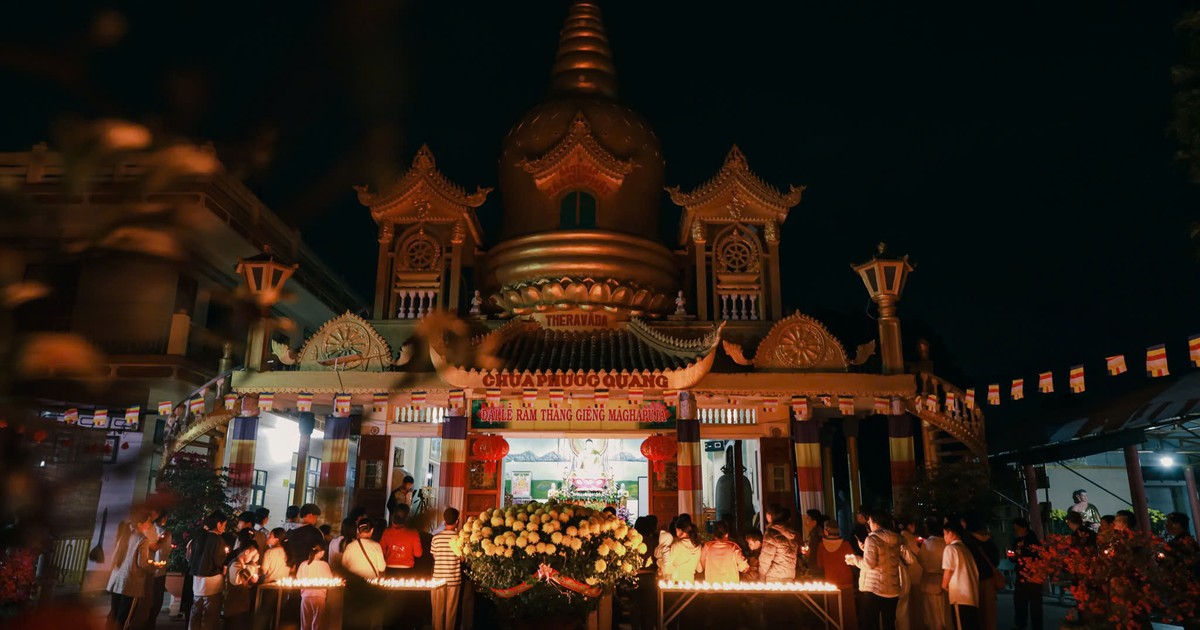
x,y
557,169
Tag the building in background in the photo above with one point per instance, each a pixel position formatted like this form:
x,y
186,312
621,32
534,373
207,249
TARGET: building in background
x,y
147,274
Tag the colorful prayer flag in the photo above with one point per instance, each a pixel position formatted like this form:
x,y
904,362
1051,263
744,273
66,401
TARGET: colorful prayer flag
x,y
132,415
931,403
1194,349
770,403
457,398
951,402
100,418
418,400
71,416
1156,361
528,397
969,399
601,397
230,400
341,405
1018,389
1116,365
883,406
266,402
800,407
636,396
826,400
994,394
1077,384
493,396
846,405
164,408
196,405
556,397
1046,382
671,397
379,402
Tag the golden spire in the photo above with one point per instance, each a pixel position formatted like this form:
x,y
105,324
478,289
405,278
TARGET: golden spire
x,y
584,61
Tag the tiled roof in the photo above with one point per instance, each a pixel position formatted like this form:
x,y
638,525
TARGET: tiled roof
x,y
611,350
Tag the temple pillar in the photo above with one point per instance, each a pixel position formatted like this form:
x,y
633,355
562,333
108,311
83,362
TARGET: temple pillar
x,y
810,485
850,428
827,468
701,279
775,281
1137,487
691,488
335,462
383,273
902,455
452,485
1189,478
1031,497
455,276
308,422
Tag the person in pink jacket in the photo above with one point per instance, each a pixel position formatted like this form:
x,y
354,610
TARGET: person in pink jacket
x,y
721,560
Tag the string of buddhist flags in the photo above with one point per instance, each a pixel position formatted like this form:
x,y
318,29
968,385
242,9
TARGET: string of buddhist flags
x,y
1115,365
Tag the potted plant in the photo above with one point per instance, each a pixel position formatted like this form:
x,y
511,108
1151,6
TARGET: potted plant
x,y
194,490
550,562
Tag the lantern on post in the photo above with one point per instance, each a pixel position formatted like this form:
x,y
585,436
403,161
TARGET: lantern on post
x,y
490,449
660,449
265,277
884,277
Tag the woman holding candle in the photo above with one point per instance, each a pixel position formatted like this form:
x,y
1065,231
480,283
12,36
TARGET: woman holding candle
x,y
684,556
831,560
312,600
242,574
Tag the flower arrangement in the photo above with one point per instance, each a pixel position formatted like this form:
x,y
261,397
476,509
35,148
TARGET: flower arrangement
x,y
1125,581
17,576
550,559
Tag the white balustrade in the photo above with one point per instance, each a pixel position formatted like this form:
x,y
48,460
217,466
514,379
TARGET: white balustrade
x,y
728,415
427,414
739,306
416,303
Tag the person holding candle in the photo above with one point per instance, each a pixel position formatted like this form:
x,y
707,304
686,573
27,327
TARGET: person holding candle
x,y
131,579
206,564
242,575
722,560
401,547
312,600
684,555
161,548
831,560
935,609
960,578
880,567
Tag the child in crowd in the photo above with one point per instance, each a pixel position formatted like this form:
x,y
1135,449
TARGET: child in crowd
x,y
312,600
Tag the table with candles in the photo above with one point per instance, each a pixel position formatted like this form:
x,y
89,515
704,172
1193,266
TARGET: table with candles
x,y
806,592
296,584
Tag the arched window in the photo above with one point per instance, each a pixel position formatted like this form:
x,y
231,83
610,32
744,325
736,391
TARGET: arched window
x,y
577,210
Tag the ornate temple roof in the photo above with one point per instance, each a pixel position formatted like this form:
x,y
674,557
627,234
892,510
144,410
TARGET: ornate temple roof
x,y
527,346
424,193
735,193
579,147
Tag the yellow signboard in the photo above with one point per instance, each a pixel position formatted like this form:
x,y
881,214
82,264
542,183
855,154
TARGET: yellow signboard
x,y
578,415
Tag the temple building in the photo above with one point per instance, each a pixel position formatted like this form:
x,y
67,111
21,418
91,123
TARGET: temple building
x,y
576,354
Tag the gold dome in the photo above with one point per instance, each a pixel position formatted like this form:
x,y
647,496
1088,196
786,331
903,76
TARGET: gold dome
x,y
581,168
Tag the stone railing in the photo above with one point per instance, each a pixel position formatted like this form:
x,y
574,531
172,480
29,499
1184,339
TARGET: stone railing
x,y
739,305
415,303
963,424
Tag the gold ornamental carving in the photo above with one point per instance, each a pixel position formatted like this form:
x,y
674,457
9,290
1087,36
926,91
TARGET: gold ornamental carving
x,y
347,342
420,252
578,161
797,342
738,254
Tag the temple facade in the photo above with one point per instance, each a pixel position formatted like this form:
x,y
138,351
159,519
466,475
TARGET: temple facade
x,y
575,353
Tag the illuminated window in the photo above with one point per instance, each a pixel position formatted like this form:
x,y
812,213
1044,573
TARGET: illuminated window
x,y
577,210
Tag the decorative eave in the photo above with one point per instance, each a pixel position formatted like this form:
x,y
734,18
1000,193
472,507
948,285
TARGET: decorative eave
x,y
735,194
601,170
423,193
674,345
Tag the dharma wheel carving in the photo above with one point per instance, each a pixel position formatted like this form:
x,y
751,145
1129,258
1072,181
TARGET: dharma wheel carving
x,y
346,342
738,254
796,342
420,252
800,345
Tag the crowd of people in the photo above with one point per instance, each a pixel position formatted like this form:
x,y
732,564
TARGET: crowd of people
x,y
939,574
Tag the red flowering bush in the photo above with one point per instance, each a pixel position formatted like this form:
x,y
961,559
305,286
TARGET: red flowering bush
x,y
1125,580
17,575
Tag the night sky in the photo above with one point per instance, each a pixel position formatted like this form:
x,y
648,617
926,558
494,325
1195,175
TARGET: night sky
x,y
1019,156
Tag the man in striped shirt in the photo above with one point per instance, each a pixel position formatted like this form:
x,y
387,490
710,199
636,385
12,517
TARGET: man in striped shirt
x,y
448,567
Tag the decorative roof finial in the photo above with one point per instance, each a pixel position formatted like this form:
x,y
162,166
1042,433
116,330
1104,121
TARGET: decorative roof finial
x,y
584,62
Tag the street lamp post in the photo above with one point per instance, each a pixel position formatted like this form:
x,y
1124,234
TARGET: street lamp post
x,y
265,277
884,277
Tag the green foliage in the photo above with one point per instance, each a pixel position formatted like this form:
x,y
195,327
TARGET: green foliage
x,y
196,490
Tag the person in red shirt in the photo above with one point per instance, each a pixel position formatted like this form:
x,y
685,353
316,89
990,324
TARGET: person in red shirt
x,y
831,560
401,547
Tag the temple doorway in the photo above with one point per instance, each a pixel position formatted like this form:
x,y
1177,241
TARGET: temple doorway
x,y
592,471
728,495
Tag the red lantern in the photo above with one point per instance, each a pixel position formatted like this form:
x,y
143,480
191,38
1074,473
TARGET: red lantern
x,y
660,449
39,436
490,449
